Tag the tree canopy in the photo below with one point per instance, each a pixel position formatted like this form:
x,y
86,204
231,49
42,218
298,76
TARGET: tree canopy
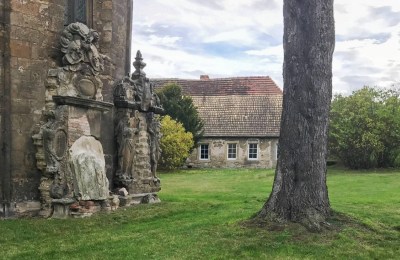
x,y
181,109
365,128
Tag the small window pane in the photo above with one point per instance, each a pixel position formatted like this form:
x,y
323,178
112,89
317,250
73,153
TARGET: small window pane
x,y
76,11
253,151
80,11
232,151
204,152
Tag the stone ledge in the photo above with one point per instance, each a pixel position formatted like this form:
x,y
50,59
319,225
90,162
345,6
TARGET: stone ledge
x,y
139,198
83,102
121,103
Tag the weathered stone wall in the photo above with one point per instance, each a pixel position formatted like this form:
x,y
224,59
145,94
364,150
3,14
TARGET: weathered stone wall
x,y
29,40
218,157
3,40
112,19
30,48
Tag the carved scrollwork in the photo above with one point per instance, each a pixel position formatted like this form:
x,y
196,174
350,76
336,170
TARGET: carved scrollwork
x,y
79,45
137,92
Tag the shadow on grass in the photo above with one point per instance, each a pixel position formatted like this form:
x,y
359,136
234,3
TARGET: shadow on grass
x,y
337,223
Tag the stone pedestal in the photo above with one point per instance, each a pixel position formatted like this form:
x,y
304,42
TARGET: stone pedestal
x,y
61,208
139,198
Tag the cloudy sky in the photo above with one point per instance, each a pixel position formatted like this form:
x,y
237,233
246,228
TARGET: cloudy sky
x,y
230,38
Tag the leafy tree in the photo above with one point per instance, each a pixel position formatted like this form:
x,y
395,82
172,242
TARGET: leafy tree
x,y
181,109
365,128
299,192
175,143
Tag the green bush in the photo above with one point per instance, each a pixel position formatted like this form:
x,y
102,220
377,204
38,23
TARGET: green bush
x,y
175,143
365,128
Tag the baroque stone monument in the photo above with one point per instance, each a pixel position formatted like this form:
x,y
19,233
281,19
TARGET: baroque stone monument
x,y
68,144
137,132
69,153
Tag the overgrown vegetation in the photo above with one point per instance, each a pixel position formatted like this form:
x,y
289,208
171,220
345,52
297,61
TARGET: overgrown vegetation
x,y
181,109
175,143
201,217
365,128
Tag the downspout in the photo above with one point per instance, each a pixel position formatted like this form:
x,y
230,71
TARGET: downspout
x,y
5,143
129,38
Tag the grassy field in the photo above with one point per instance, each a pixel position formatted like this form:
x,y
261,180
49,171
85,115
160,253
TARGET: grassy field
x,y
201,217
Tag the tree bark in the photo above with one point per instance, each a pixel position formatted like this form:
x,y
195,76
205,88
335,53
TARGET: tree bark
x,y
299,191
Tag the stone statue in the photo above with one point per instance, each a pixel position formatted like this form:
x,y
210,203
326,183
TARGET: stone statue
x,y
126,130
52,163
155,100
154,127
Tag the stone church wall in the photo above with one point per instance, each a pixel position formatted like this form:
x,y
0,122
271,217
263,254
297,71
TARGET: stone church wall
x,y
3,40
112,19
29,40
31,29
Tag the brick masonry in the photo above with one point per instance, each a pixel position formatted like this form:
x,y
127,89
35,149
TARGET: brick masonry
x,y
29,46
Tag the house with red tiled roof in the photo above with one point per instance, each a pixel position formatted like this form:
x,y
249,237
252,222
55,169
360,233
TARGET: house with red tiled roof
x,y
241,120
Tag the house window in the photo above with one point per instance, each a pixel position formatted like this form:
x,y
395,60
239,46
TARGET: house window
x,y
78,11
232,151
253,151
204,152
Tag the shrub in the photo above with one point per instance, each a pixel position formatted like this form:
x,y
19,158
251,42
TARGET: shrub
x,y
175,143
364,128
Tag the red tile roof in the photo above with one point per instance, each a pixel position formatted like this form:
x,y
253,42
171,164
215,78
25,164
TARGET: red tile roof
x,y
224,86
234,107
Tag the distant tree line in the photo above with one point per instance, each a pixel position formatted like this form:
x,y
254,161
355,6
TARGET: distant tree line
x,y
365,128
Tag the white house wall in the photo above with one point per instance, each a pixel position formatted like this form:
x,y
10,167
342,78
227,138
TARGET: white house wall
x,y
218,153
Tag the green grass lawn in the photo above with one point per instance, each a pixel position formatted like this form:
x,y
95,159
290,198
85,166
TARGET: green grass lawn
x,y
201,217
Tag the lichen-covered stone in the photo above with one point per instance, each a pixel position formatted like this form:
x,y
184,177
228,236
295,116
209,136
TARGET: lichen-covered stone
x,y
88,166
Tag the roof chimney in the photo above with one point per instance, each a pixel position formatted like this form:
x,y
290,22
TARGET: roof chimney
x,y
204,77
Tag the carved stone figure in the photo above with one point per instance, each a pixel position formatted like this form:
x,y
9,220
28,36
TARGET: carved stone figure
x,y
48,134
154,129
126,132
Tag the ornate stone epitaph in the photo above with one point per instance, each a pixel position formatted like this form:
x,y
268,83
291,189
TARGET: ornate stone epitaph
x,y
68,151
137,133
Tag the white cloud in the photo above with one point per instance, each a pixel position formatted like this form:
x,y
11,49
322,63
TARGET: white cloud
x,y
175,38
166,41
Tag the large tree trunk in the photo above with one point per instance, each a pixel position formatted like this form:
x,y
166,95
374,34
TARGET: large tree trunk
x,y
299,192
